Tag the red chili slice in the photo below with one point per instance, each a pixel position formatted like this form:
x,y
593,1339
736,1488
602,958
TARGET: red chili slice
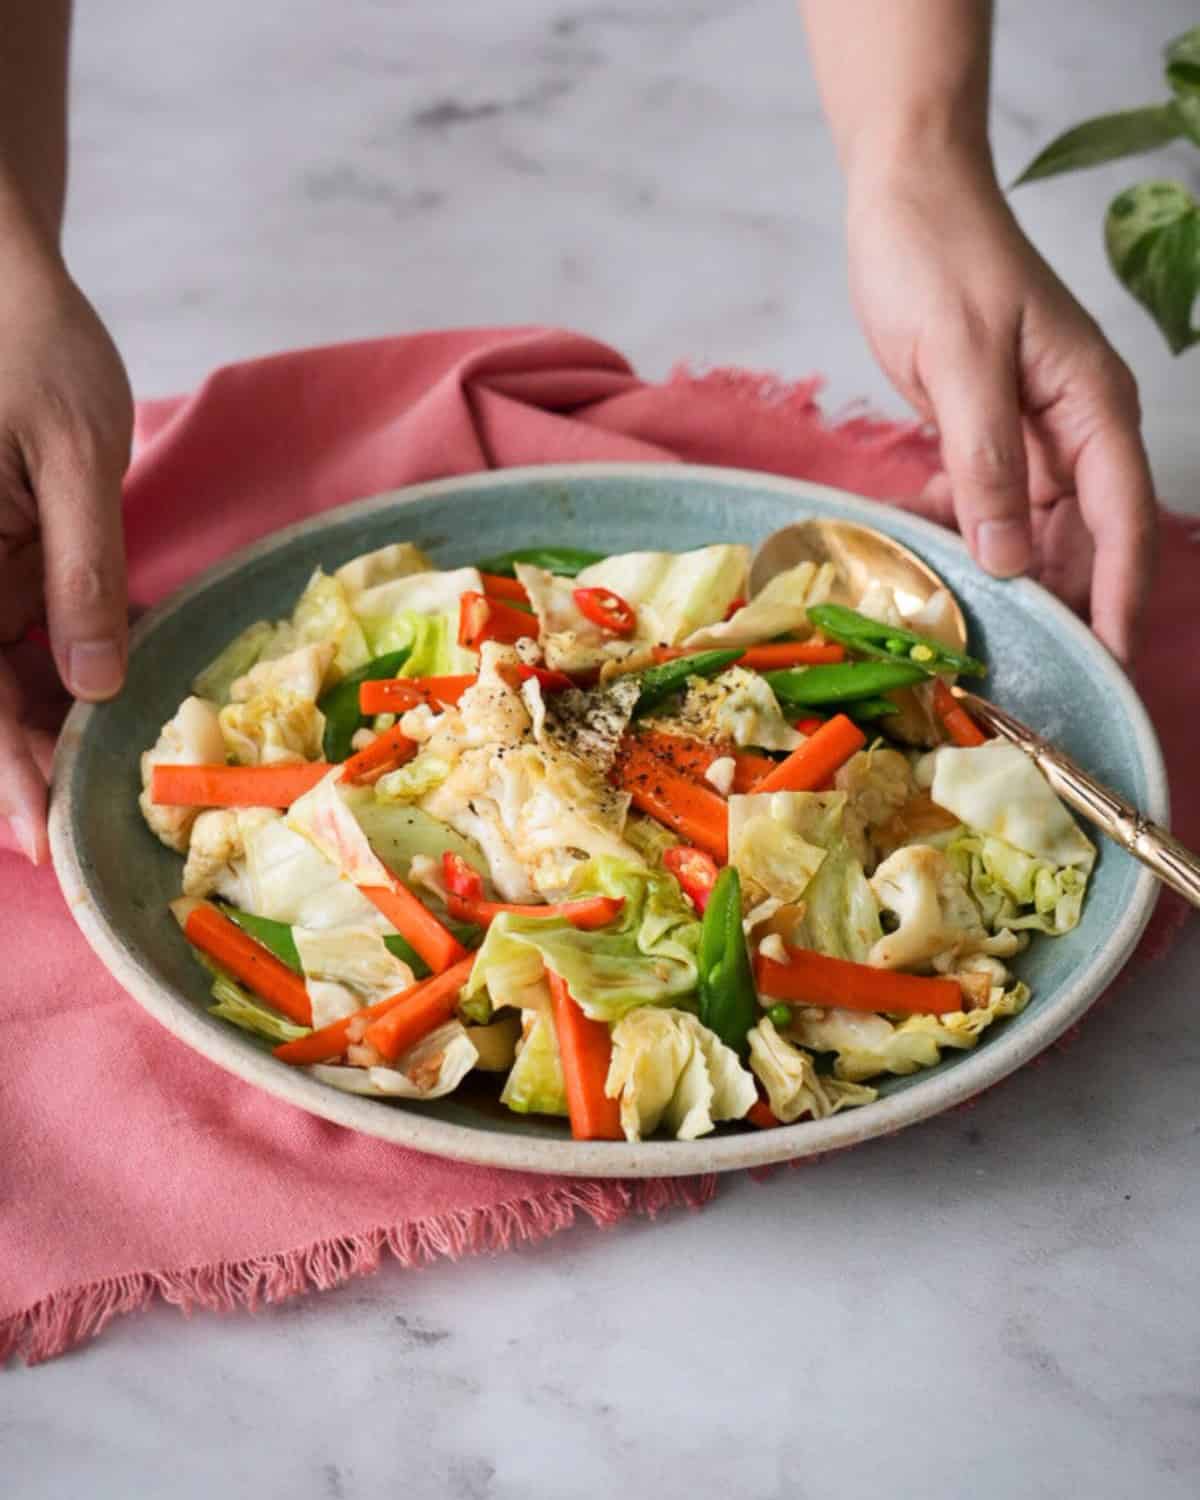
x,y
734,606
606,609
695,871
462,880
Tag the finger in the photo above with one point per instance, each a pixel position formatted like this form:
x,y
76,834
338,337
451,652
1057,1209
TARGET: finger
x,y
975,394
78,487
1065,552
21,592
1116,496
22,784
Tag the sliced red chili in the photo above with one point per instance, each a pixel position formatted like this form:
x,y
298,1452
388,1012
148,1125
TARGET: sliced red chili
x,y
462,880
695,871
734,606
482,619
606,609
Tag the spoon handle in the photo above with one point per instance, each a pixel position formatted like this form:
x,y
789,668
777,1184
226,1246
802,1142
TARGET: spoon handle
x,y
1162,853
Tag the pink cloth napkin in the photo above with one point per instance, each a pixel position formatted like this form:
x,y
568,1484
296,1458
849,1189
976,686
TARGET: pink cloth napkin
x,y
129,1166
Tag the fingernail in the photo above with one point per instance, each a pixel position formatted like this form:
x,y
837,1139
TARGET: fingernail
x,y
1005,547
20,837
94,669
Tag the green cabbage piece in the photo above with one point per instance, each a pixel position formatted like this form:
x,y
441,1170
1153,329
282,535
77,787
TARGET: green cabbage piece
x,y
794,1087
432,641
765,843
667,1069
240,1008
411,782
649,837
242,653
646,957
674,593
534,1085
1015,890
841,914
398,832
778,609
867,1045
323,613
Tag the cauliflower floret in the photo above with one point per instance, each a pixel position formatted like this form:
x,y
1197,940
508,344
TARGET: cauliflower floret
x,y
299,673
191,738
273,728
878,783
935,911
215,845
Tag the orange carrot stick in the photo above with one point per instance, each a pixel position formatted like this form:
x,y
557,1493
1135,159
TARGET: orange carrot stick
x,y
693,811
416,924
385,753
587,914
509,589
958,723
255,966
585,1047
419,1011
397,694
331,1041
759,1114
810,978
817,759
694,758
233,786
769,658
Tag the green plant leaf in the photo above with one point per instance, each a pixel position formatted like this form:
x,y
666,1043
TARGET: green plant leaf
x,y
1152,232
1106,138
1183,63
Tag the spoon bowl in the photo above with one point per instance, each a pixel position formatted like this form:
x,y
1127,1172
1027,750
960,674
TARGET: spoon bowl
x,y
861,556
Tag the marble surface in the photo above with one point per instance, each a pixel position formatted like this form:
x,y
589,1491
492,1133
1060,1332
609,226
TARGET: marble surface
x,y
999,1302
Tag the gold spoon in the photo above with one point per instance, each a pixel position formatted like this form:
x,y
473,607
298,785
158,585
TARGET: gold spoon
x,y
861,557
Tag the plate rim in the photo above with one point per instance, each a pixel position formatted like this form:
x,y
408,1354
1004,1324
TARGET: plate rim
x,y
482,1146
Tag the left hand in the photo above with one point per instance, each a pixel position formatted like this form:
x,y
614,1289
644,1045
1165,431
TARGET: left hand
x,y
1044,465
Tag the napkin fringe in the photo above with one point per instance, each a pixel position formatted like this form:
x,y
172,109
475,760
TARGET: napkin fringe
x,y
70,1317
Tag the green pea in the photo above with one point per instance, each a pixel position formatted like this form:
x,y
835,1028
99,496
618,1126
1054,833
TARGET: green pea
x,y
780,1016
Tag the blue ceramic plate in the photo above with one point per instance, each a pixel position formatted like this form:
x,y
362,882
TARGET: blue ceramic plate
x,y
1046,668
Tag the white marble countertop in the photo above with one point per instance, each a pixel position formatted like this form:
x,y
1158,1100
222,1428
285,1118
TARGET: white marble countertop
x,y
997,1303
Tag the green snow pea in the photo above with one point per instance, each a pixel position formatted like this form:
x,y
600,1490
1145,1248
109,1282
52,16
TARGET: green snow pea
x,y
343,718
728,999
890,642
844,682
565,561
658,683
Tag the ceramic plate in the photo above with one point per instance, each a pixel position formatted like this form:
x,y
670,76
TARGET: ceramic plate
x,y
1046,667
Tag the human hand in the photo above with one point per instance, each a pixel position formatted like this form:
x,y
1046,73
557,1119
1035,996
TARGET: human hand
x,y
66,419
1044,468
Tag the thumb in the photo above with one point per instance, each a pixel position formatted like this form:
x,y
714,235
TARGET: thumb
x,y
976,405
78,488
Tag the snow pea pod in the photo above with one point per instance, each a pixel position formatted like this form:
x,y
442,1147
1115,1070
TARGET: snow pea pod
x,y
890,642
658,683
846,682
343,718
728,998
565,561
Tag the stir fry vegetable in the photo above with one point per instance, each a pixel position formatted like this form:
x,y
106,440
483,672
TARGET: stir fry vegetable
x,y
891,642
618,842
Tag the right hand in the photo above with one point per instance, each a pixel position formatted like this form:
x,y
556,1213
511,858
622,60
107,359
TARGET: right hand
x,y
66,422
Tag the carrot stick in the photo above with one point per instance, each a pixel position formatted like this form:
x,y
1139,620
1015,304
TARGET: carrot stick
x,y
694,758
332,1040
810,978
255,966
958,723
386,752
770,658
693,811
759,1113
509,589
418,1011
416,924
585,1047
781,654
233,786
587,914
390,695
817,759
